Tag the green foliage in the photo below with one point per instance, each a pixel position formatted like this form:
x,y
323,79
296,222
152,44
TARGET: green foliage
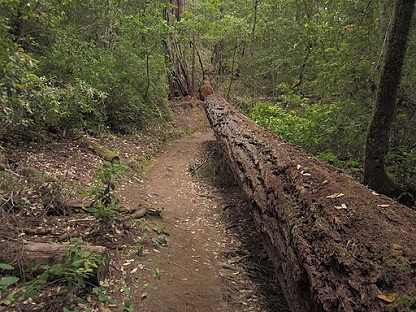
x,y
352,167
323,128
331,158
289,97
73,271
312,126
7,281
32,103
104,296
400,162
68,66
104,201
162,237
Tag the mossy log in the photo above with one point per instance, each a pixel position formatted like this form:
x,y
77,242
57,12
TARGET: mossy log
x,y
335,244
100,150
25,255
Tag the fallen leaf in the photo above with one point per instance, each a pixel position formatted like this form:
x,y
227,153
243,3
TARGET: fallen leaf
x,y
343,206
389,298
336,195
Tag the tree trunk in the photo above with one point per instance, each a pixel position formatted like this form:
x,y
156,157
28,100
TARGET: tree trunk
x,y
179,83
217,57
335,245
378,134
193,43
253,27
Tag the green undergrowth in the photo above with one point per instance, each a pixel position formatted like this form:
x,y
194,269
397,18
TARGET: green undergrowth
x,y
72,280
331,129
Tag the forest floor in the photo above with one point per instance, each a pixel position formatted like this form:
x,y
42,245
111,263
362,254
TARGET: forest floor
x,y
199,251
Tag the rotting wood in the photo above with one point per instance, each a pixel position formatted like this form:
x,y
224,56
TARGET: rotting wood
x,y
25,255
138,213
335,244
205,90
100,150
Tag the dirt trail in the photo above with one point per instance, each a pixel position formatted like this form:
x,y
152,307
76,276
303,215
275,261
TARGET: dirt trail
x,y
199,266
189,275
213,260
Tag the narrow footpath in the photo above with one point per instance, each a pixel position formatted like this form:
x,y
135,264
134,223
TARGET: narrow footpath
x,y
207,264
188,265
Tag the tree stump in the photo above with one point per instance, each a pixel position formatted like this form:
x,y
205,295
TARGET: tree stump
x,y
335,244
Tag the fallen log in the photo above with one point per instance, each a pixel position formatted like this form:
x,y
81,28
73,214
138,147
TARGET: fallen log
x,y
22,257
335,244
100,150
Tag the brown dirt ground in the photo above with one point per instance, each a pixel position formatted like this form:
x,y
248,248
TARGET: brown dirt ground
x,y
201,254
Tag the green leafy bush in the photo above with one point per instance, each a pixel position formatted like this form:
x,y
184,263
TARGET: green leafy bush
x,y
105,202
312,127
323,129
74,271
400,162
32,104
7,281
67,66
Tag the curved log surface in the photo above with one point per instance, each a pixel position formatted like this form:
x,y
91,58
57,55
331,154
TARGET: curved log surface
x,y
335,244
29,253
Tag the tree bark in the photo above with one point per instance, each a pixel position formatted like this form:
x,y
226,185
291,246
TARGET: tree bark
x,y
377,143
335,245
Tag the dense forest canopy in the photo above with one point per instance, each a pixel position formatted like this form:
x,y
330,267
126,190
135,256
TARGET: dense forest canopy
x,y
307,70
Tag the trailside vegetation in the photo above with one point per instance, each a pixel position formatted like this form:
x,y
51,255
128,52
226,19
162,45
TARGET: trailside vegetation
x,y
90,66
307,70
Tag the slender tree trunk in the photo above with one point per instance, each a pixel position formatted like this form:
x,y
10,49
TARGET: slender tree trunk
x,y
217,57
193,54
179,84
302,68
178,8
181,8
232,72
378,133
253,29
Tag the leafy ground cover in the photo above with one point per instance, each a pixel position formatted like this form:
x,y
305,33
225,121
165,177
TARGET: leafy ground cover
x,y
192,250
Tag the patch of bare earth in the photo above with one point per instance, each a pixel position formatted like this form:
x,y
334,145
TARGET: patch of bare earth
x,y
200,253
